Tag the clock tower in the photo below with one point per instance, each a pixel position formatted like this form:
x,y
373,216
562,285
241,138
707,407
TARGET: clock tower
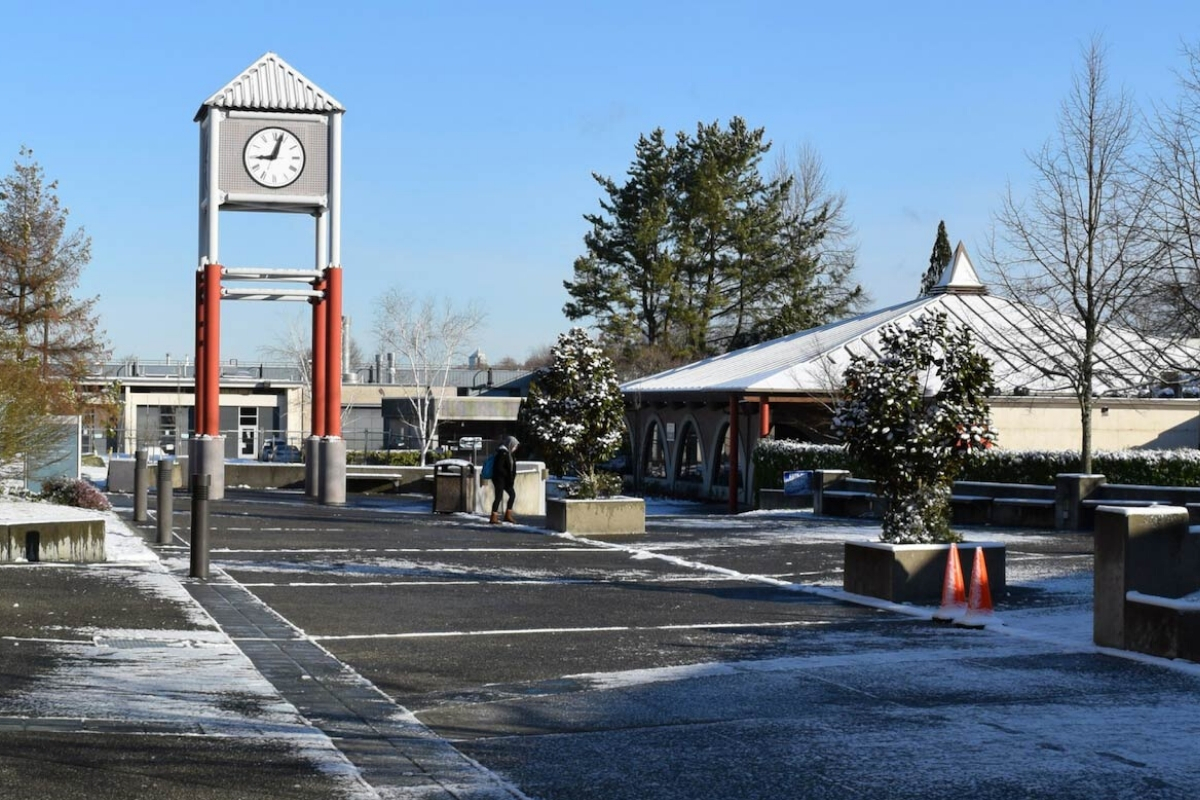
x,y
270,141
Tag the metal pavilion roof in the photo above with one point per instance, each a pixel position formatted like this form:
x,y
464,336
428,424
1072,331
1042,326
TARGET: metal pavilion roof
x,y
271,84
1015,337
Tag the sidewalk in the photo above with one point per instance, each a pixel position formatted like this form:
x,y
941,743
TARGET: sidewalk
x,y
129,679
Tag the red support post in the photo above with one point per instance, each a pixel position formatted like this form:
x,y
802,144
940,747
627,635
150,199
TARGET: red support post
x,y
333,353
733,454
212,350
319,343
764,429
198,366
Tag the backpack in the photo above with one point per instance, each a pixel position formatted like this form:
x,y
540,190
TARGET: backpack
x,y
489,464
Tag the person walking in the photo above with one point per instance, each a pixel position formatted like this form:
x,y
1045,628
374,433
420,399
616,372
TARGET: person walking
x,y
504,479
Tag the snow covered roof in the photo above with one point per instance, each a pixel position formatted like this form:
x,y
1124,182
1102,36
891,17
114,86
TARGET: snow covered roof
x,y
1012,335
271,84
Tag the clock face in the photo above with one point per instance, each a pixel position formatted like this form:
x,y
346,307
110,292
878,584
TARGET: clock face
x,y
274,157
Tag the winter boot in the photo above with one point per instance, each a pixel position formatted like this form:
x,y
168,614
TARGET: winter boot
x,y
508,516
495,518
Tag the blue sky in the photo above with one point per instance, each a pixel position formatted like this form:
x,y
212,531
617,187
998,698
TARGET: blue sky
x,y
472,130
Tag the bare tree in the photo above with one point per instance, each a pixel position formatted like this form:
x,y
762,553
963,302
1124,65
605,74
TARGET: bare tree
x,y
1079,245
822,251
1174,173
430,337
293,346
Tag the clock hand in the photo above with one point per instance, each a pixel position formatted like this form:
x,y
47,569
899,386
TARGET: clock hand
x,y
278,144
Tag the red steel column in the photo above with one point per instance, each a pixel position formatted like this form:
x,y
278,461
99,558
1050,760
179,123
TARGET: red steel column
x,y
198,366
765,419
319,334
733,454
333,353
212,350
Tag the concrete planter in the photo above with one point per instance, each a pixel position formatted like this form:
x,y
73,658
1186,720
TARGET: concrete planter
x,y
609,515
915,573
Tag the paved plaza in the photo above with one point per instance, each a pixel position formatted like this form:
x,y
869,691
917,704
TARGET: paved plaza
x,y
381,651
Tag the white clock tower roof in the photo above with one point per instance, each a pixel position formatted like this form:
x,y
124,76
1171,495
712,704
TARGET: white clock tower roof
x,y
271,84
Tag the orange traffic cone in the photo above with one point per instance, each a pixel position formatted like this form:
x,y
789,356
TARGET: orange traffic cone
x,y
954,594
979,604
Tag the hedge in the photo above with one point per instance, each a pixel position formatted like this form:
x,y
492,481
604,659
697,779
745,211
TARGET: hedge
x,y
772,457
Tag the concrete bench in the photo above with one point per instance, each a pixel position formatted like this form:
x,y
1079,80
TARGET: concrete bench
x,y
847,503
1024,512
970,509
769,499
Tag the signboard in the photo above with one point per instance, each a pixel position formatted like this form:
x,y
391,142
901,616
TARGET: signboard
x,y
60,458
470,443
797,482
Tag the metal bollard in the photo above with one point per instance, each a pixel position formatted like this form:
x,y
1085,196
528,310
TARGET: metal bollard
x,y
140,487
199,544
166,499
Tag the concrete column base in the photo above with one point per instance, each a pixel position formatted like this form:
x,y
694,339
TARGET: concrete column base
x,y
312,466
332,469
207,456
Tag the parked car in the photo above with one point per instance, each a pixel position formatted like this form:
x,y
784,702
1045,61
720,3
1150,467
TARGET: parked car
x,y
279,451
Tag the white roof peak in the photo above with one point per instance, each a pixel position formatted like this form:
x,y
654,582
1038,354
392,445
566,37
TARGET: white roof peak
x,y
271,84
960,276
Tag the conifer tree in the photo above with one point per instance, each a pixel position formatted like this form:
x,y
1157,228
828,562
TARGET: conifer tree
x,y
939,259
40,266
693,253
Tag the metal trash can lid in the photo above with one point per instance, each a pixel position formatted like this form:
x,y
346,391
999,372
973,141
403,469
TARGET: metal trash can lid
x,y
452,465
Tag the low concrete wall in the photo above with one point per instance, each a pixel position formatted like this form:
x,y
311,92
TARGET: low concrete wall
x,y
613,515
530,486
267,475
1146,558
769,499
915,573
70,541
120,475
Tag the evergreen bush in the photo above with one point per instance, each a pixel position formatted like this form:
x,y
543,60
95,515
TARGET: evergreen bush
x,y
1179,467
74,492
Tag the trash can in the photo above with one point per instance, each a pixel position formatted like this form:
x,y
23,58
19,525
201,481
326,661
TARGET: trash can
x,y
453,486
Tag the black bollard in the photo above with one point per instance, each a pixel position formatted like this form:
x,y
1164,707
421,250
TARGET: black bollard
x,y
140,487
166,499
200,485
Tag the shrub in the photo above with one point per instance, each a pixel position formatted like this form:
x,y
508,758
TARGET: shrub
x,y
74,492
1140,467
915,415
575,412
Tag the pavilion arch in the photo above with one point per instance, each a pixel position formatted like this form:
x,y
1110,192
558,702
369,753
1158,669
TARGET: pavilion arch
x,y
719,463
690,464
653,453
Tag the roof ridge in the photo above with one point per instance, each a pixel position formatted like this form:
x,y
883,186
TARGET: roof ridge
x,y
271,84
959,276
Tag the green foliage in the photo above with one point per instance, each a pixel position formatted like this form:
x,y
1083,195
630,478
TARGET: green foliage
x,y
74,492
1138,467
595,483
914,416
698,253
939,259
773,457
393,458
575,413
40,266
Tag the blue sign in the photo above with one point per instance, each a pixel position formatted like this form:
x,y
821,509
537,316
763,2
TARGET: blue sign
x,y
797,482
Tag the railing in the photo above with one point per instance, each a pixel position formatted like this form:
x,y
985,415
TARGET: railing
x,y
465,378
176,444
